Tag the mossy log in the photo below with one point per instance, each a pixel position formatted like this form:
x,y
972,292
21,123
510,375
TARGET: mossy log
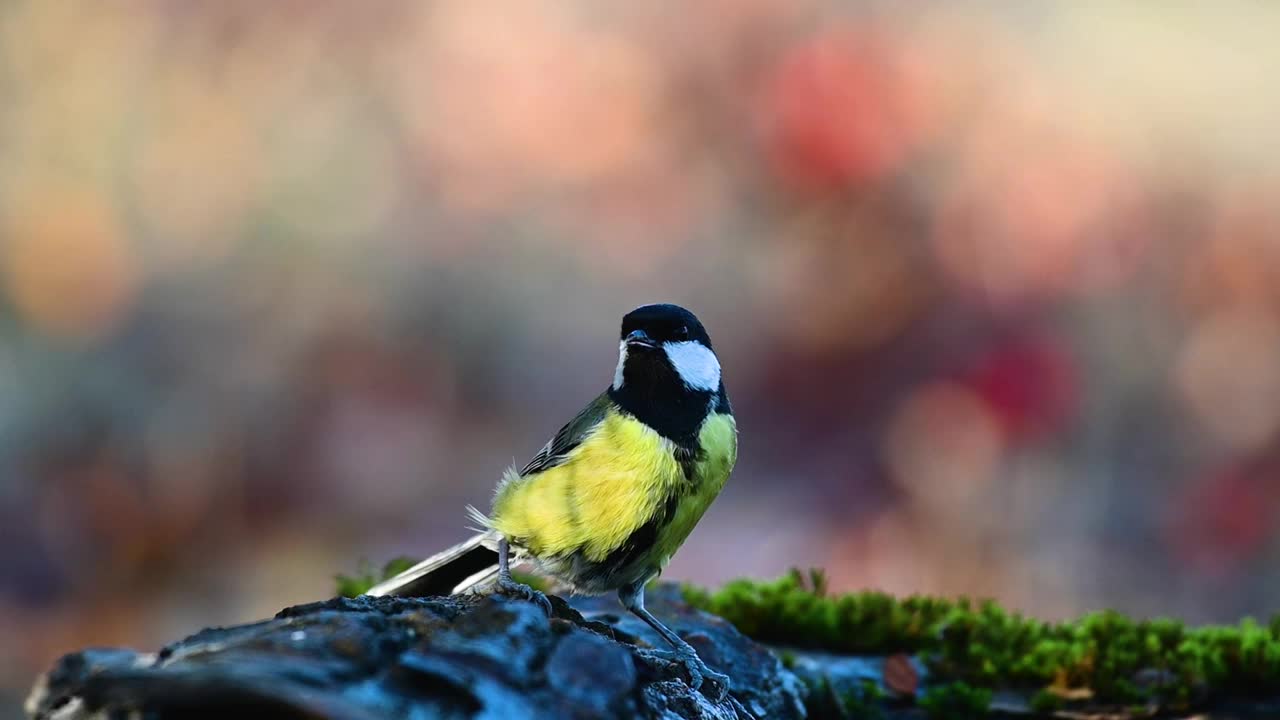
x,y
791,650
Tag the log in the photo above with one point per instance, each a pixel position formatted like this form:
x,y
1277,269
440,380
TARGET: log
x,y
464,656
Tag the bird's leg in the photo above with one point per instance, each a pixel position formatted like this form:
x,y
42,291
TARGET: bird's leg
x,y
507,585
632,597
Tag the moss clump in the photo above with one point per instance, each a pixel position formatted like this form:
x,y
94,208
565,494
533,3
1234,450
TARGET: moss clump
x,y
863,702
1045,702
536,582
957,701
1114,659
366,576
796,610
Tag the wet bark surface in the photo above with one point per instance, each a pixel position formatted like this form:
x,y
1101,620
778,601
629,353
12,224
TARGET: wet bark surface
x,y
438,657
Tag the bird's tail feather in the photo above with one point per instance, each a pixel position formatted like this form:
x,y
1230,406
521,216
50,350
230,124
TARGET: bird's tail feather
x,y
457,569
482,521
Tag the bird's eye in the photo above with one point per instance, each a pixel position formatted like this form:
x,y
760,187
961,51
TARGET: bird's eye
x,y
682,333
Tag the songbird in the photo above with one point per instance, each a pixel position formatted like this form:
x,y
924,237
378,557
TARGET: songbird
x,y
608,500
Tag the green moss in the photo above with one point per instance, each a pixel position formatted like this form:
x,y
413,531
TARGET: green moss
x,y
536,582
957,701
862,702
985,646
1045,702
796,610
366,576
865,703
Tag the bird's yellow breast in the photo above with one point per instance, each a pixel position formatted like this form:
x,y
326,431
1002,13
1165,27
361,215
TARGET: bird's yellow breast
x,y
613,483
718,440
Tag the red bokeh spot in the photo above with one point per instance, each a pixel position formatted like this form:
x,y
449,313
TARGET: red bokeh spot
x,y
1224,519
1029,384
836,112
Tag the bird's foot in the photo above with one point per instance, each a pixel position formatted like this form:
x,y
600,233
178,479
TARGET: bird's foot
x,y
509,586
699,674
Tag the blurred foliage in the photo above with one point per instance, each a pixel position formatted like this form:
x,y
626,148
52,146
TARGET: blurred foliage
x,y
864,702
366,576
956,701
1045,701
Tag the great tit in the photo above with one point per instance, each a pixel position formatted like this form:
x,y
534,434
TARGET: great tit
x,y
611,497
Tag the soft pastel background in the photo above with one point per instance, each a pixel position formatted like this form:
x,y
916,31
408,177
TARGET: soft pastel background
x,y
285,285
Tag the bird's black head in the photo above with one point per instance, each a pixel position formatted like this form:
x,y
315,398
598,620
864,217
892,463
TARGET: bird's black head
x,y
668,375
663,323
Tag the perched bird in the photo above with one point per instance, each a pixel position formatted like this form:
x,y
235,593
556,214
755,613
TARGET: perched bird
x,y
608,500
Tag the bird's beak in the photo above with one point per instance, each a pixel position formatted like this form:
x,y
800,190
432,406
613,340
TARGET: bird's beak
x,y
638,338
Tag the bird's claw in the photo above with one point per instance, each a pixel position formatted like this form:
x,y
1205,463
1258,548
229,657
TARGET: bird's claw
x,y
700,675
719,683
508,586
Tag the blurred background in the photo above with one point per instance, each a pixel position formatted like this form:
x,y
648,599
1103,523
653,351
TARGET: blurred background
x,y
285,285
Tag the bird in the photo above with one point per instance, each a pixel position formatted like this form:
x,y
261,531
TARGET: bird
x,y
609,499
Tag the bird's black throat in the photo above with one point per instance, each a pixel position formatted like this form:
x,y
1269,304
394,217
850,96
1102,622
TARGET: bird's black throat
x,y
653,393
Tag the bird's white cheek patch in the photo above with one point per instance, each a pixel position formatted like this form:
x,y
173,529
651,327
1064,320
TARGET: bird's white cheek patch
x,y
622,361
696,364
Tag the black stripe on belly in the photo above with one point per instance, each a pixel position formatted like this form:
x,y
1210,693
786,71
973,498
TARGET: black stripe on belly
x,y
643,538
622,564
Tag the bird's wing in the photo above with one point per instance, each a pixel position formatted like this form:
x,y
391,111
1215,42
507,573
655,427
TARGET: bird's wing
x,y
557,450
